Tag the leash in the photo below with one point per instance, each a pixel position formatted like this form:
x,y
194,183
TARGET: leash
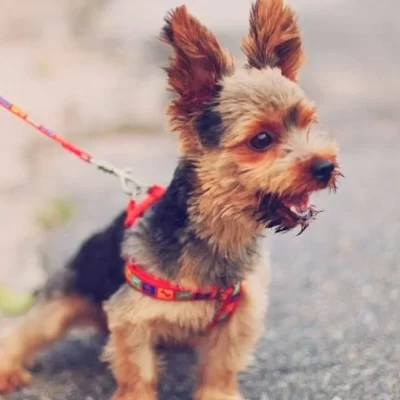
x,y
129,185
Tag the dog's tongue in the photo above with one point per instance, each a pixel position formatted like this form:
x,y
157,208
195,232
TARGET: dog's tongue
x,y
300,203
304,204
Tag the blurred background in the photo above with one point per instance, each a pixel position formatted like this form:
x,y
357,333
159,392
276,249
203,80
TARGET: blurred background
x,y
91,70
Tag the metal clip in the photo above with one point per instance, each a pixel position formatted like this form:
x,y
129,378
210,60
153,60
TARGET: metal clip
x,y
129,185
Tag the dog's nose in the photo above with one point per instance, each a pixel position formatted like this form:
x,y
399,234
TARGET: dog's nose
x,y
322,170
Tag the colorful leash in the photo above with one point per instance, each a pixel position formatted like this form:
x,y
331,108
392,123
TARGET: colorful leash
x,y
129,185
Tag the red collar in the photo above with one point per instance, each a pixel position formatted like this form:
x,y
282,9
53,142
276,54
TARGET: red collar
x,y
161,289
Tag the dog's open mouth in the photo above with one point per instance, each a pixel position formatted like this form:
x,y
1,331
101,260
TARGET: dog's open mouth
x,y
300,206
284,214
297,211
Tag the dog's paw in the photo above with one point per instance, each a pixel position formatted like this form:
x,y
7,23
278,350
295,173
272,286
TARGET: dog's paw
x,y
134,393
132,397
13,378
210,394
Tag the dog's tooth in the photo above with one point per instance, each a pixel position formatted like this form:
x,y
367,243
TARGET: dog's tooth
x,y
282,229
303,228
299,213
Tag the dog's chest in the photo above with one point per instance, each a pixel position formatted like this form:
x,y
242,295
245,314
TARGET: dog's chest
x,y
167,320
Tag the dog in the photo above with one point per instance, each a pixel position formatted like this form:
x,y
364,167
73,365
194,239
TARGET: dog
x,y
252,153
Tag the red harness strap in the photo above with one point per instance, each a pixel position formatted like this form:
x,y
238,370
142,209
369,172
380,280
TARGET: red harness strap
x,y
161,289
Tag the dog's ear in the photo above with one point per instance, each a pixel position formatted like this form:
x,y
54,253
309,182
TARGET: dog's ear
x,y
274,38
197,64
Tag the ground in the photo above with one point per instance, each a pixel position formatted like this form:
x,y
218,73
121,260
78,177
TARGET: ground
x,y
90,72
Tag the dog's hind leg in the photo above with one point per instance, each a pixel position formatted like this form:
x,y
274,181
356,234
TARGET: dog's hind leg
x,y
44,324
72,296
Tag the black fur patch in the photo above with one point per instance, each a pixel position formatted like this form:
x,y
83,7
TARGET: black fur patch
x,y
169,219
97,270
209,126
208,123
167,33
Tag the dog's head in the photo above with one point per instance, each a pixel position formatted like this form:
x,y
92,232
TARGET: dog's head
x,y
250,130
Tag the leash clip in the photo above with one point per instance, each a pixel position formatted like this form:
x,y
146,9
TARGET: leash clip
x,y
129,185
132,188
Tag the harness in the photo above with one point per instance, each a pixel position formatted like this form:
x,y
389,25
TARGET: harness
x,y
161,289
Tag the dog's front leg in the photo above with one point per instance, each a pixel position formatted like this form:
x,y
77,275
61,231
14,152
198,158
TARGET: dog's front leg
x,y
221,357
133,362
226,349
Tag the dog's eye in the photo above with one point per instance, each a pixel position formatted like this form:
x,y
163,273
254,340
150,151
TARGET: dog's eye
x,y
261,141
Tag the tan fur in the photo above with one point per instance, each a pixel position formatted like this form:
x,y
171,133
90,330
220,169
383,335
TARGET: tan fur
x,y
133,361
274,38
227,349
251,95
188,316
256,100
46,323
224,224
304,115
138,323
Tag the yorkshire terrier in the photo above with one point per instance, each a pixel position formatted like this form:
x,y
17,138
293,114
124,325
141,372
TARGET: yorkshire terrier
x,y
251,155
